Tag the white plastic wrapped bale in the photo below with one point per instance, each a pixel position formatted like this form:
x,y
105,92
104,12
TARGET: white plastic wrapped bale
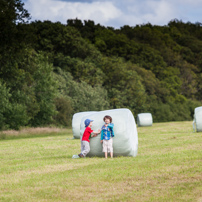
x,y
197,122
76,120
125,141
144,119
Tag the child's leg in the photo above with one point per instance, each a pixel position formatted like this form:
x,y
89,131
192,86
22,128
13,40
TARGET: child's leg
x,y
106,155
111,154
104,147
86,148
82,147
111,147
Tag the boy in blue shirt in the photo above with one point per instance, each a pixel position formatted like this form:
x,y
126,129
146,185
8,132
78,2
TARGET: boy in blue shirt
x,y
107,133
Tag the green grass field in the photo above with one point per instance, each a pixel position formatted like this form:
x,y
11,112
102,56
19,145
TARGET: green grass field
x,y
38,166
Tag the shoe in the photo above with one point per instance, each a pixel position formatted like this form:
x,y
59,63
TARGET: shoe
x,y
75,156
81,155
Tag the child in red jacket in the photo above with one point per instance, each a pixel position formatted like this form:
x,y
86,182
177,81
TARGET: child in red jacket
x,y
85,142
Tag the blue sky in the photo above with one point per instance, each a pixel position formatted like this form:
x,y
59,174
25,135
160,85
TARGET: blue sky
x,y
116,13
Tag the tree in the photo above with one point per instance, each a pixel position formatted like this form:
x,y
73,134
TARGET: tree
x,y
11,13
12,39
12,115
83,96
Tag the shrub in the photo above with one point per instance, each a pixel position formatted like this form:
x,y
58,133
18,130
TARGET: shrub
x,y
64,111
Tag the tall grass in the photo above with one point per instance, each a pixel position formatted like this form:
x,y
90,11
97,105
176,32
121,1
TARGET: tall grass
x,y
168,168
30,132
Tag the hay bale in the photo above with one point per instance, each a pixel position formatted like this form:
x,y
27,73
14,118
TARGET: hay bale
x,y
197,122
76,120
125,142
144,119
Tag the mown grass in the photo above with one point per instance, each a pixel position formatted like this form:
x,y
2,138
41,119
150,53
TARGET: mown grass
x,y
168,168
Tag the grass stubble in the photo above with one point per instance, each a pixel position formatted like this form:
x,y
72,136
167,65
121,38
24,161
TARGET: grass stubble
x,y
168,167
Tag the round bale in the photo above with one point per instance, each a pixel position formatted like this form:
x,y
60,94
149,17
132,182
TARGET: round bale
x,y
76,120
125,141
197,119
144,119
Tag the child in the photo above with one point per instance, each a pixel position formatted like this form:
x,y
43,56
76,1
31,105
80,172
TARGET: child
x,y
107,133
85,142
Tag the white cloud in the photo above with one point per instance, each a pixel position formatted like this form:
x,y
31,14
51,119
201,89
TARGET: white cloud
x,y
116,13
154,12
192,3
161,12
61,10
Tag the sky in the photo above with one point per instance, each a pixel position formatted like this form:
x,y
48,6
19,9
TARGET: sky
x,y
116,13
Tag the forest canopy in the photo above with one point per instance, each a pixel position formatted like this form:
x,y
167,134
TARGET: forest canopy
x,y
49,71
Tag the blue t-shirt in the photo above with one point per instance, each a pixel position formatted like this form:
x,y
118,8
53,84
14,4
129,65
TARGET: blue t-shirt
x,y
107,132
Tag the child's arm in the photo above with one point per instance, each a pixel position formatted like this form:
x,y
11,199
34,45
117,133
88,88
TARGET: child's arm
x,y
110,125
101,136
95,133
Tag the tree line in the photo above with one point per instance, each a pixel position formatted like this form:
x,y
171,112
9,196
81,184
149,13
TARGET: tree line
x,y
49,71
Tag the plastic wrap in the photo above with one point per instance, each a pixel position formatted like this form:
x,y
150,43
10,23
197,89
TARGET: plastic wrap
x,y
76,120
125,142
144,119
197,122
